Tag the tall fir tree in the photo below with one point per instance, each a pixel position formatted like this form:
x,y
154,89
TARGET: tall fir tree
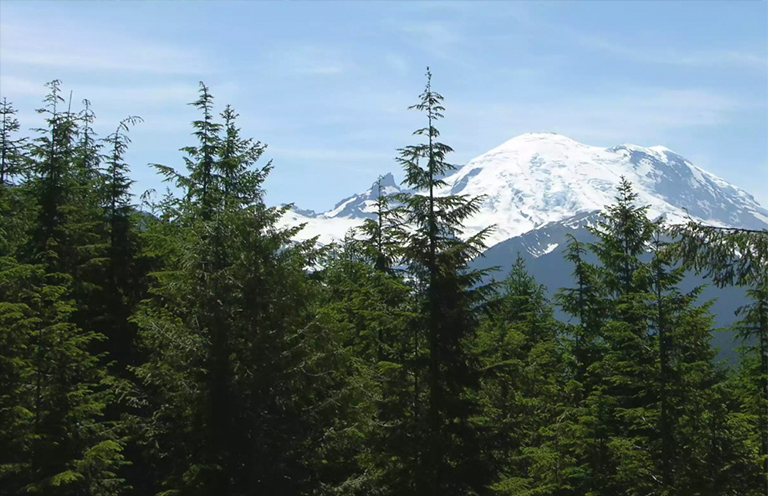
x,y
438,257
15,207
380,237
381,365
123,280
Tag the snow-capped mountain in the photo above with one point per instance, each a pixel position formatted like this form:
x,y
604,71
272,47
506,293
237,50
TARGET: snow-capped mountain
x,y
538,179
346,214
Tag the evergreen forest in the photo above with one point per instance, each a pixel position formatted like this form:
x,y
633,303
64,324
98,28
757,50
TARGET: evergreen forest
x,y
186,344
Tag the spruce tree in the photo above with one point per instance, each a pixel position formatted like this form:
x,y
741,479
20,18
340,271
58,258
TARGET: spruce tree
x,y
727,255
688,379
381,236
587,302
617,407
614,357
16,209
371,310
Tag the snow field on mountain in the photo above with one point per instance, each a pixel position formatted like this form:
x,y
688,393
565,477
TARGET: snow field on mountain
x,y
539,178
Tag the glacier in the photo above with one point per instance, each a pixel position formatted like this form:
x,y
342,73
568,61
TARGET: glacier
x,y
537,179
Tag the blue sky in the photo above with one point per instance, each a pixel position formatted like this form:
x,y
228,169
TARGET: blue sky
x,y
326,84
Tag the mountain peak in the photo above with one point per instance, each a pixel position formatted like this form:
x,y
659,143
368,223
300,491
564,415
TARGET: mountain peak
x,y
532,143
386,180
540,137
535,179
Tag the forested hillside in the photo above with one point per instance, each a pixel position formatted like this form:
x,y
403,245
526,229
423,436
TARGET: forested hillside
x,y
188,345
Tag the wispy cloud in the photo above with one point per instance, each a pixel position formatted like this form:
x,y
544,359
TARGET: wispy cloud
x,y
71,46
669,56
170,93
339,157
648,53
397,62
645,115
313,60
437,38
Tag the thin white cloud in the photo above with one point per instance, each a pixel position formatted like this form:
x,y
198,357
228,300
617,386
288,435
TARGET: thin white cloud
x,y
338,156
647,115
664,55
642,53
154,94
437,38
15,88
306,60
396,62
71,46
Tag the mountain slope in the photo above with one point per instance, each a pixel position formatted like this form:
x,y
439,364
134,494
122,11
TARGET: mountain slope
x,y
345,215
539,178
542,250
535,179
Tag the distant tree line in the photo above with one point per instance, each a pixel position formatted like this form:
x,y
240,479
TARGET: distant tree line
x,y
190,346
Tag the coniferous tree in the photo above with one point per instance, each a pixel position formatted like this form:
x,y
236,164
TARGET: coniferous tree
x,y
371,304
614,356
688,380
735,256
378,365
382,236
370,310
228,328
12,150
521,395
651,377
62,443
752,329
585,424
15,207
437,259
627,368
87,153
85,219
123,271
587,302
730,256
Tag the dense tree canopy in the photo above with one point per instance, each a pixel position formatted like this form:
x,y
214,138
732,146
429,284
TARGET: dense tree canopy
x,y
194,347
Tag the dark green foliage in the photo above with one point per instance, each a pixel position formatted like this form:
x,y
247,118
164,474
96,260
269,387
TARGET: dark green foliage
x,y
643,374
13,157
372,311
732,256
198,349
449,292
752,329
521,395
228,328
55,440
123,268
382,237
57,389
727,255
